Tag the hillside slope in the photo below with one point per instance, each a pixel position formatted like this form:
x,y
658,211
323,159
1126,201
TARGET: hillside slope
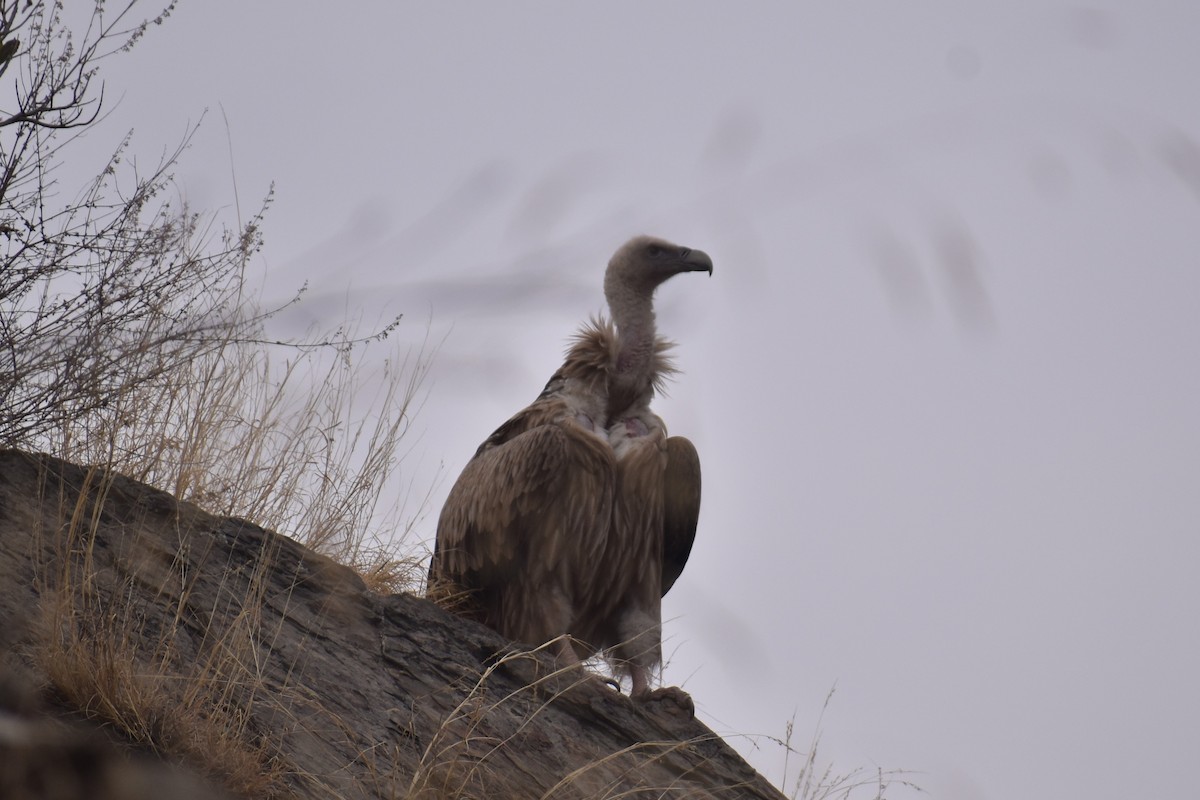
x,y
272,671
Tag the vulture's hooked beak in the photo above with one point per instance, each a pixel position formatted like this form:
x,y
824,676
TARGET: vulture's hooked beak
x,y
696,261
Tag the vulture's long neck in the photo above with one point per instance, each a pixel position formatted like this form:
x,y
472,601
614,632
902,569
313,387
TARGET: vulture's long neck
x,y
633,314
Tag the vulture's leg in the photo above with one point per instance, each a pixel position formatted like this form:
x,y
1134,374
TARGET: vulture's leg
x,y
565,652
640,676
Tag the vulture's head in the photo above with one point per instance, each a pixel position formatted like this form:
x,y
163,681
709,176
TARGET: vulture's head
x,y
642,263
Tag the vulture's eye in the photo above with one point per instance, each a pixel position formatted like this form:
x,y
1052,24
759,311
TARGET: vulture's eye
x,y
654,250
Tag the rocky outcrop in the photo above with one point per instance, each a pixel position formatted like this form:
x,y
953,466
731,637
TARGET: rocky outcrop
x,y
269,670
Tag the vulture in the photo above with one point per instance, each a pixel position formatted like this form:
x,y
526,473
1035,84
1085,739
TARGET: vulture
x,y
578,514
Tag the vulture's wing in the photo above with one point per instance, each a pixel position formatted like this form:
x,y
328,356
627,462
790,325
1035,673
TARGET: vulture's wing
x,y
681,507
520,503
482,523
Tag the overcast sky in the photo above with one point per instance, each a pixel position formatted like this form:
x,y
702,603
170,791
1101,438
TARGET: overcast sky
x,y
945,378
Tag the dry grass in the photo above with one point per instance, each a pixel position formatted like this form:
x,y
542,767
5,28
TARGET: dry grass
x,y
816,782
122,669
462,758
455,762
310,446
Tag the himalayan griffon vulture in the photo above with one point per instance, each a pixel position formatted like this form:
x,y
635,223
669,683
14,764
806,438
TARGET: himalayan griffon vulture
x,y
578,514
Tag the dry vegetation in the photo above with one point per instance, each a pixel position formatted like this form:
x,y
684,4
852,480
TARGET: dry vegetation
x,y
311,449
101,659
816,782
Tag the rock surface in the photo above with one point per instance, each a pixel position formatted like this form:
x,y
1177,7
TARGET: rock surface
x,y
272,671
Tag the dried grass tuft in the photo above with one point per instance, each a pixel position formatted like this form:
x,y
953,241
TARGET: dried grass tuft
x,y
117,666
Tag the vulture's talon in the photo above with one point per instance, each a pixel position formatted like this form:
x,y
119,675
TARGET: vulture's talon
x,y
677,698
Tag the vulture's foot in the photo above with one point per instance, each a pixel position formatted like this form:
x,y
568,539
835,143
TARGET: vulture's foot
x,y
672,699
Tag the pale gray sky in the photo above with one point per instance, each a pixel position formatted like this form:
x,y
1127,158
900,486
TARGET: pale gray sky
x,y
944,380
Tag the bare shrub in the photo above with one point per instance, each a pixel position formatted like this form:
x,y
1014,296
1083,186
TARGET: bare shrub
x,y
114,286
